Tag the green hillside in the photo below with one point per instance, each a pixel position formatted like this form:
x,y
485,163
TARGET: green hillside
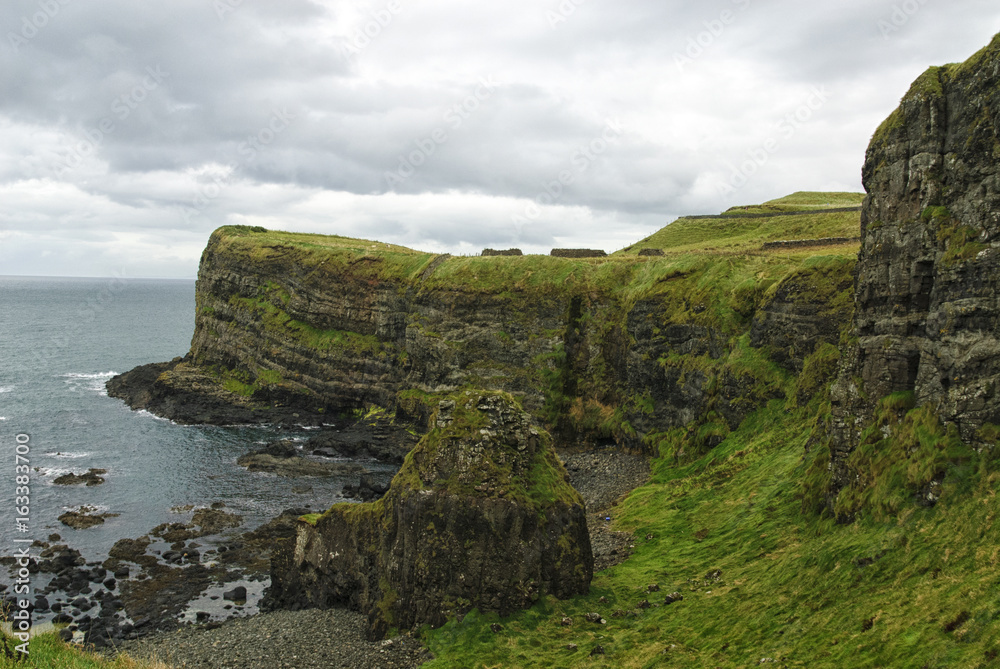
x,y
746,229
765,580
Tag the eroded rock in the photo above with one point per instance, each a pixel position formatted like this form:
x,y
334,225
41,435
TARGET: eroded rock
x,y
480,516
90,478
928,275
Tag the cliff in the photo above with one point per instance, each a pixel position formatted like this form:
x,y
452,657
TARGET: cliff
x,y
481,515
926,303
295,327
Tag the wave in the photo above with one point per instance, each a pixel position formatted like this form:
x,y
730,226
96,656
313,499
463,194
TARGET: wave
x,y
99,375
53,472
146,414
93,382
89,508
67,456
3,417
6,389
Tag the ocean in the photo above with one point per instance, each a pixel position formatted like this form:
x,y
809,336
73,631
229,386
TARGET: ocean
x,y
60,341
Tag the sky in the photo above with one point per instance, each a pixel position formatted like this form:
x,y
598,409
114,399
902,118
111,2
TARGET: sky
x,y
130,130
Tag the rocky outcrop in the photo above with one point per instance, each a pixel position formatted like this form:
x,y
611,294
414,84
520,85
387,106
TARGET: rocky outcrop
x,y
481,515
91,478
284,459
802,312
189,394
928,277
299,329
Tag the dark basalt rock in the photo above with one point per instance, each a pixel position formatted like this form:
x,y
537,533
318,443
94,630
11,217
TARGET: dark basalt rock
x,y
182,392
284,459
480,516
91,478
927,294
84,518
377,438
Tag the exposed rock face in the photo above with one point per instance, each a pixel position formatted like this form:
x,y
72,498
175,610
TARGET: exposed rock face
x,y
928,275
296,329
481,515
804,311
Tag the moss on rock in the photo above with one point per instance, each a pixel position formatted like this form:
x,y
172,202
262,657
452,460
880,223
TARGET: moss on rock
x,y
481,515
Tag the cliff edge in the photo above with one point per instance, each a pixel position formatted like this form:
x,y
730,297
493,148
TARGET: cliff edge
x,y
928,279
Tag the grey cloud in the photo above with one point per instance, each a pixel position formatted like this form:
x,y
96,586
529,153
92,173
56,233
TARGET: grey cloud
x,y
198,146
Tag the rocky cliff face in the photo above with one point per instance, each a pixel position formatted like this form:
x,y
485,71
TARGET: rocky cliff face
x,y
292,328
481,515
928,275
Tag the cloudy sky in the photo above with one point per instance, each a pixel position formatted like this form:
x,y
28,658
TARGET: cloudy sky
x,y
130,130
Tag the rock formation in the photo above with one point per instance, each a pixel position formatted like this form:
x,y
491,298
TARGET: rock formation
x,y
481,515
928,275
300,328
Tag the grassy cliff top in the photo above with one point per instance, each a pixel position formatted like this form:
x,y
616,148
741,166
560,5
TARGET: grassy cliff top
x,y
687,244
745,229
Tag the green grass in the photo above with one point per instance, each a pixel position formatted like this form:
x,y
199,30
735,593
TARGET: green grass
x,y
47,651
916,590
714,276
804,201
740,234
812,200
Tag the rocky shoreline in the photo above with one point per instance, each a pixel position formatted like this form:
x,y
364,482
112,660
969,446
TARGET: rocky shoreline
x,y
337,637
198,581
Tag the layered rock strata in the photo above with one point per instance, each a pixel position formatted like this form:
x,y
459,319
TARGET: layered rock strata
x,y
297,329
928,276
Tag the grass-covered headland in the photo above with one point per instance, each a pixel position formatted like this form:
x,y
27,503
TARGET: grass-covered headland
x,y
739,560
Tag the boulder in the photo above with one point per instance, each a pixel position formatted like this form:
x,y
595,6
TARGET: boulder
x,y
481,515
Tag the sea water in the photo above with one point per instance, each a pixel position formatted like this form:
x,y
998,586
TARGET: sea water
x,y
60,341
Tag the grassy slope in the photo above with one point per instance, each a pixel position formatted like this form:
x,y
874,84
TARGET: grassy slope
x,y
917,591
915,588
739,234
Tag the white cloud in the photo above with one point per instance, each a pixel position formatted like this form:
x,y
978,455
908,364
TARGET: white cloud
x,y
129,131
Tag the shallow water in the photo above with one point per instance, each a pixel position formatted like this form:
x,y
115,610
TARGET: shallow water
x,y
60,340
